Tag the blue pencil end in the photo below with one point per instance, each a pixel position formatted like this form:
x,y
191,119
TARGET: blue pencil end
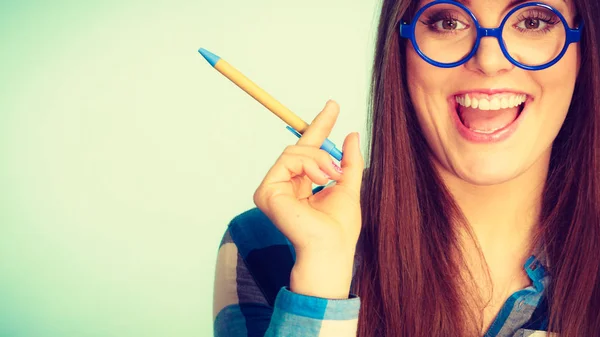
x,y
210,57
327,145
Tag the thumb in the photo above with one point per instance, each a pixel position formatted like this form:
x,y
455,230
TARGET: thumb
x,y
352,163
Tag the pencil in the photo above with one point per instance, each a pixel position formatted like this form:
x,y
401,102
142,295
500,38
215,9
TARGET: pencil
x,y
264,98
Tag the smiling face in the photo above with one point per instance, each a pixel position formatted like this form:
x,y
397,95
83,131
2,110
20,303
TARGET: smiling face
x,y
488,121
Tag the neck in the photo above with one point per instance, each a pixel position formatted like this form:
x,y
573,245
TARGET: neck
x,y
502,217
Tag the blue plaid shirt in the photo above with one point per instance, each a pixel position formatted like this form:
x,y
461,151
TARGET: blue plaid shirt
x,y
252,296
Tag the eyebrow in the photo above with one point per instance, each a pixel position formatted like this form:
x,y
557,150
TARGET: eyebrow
x,y
512,3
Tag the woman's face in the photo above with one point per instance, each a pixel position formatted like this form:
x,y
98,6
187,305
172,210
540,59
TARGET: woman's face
x,y
489,143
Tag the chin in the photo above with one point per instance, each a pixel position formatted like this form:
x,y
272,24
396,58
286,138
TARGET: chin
x,y
486,174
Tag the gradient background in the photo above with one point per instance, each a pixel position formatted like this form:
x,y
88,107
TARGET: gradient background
x,y
124,154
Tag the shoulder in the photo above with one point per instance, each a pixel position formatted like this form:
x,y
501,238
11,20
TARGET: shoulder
x,y
268,256
255,235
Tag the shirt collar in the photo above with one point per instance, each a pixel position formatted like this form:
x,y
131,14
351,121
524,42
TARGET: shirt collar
x,y
535,270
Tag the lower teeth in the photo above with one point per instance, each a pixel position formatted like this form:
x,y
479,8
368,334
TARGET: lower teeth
x,y
485,131
458,107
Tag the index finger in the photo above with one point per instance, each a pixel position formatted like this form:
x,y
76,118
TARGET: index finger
x,y
321,126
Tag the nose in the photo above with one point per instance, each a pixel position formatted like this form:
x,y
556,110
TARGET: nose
x,y
489,59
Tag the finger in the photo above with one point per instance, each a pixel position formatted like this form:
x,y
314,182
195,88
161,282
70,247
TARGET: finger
x,y
321,126
326,164
293,165
352,164
279,179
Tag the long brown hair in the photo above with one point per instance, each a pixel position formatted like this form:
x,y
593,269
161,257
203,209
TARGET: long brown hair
x,y
408,277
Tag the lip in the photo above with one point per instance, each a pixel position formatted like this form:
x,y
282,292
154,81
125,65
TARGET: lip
x,y
496,136
491,92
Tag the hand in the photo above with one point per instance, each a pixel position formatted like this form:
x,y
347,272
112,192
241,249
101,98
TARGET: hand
x,y
323,228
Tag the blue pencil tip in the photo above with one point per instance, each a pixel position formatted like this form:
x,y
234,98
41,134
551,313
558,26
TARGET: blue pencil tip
x,y
210,57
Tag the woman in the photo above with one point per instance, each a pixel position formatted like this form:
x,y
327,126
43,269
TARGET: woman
x,y
479,211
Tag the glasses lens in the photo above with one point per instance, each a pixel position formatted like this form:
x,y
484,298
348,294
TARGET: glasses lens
x,y
445,33
534,35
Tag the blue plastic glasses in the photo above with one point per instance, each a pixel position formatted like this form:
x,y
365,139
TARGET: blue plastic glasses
x,y
532,36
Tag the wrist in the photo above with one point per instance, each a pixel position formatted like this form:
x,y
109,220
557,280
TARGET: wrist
x,y
322,275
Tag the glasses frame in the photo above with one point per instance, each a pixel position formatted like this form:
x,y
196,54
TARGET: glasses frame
x,y
407,30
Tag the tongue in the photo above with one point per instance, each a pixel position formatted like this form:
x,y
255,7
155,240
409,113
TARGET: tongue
x,y
487,121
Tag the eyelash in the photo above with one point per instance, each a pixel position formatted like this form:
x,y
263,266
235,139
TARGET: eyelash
x,y
433,18
436,17
550,20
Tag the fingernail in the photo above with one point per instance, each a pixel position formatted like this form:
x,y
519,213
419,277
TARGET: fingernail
x,y
337,168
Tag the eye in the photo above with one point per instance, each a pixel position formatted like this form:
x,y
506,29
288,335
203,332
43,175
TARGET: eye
x,y
535,21
532,24
449,24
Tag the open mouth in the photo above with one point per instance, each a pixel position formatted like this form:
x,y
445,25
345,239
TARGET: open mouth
x,y
485,117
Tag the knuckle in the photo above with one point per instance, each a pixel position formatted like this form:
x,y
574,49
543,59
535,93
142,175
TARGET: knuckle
x,y
282,157
269,197
263,196
289,149
258,197
287,158
322,156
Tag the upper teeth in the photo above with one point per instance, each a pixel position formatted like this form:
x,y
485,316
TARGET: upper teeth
x,y
494,103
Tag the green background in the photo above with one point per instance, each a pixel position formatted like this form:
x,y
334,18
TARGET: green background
x,y
124,154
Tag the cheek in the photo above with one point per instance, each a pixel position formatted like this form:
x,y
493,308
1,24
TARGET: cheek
x,y
557,84
564,71
428,89
427,86
422,76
